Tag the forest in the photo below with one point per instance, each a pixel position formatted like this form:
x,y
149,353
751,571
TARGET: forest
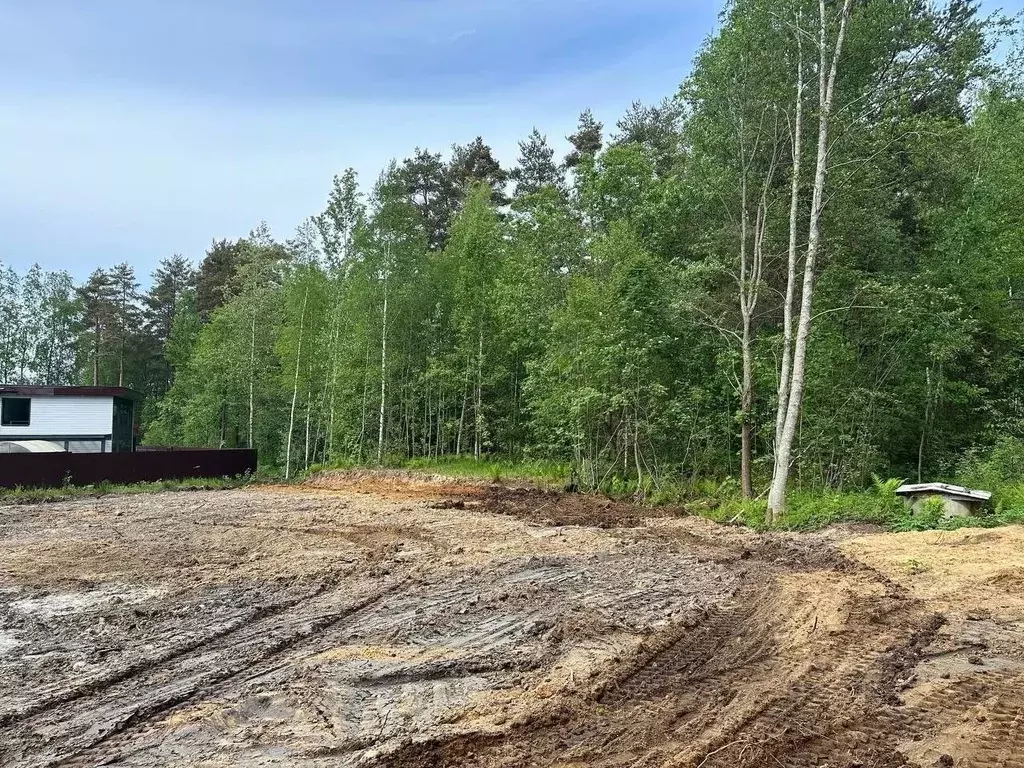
x,y
804,268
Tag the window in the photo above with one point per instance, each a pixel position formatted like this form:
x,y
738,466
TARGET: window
x,y
15,411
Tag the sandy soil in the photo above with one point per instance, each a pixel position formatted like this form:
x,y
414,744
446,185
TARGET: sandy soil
x,y
377,620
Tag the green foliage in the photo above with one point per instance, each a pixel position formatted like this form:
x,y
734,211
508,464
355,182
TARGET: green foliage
x,y
592,322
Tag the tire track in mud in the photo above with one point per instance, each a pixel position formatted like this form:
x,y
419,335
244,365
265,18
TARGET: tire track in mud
x,y
990,706
82,727
720,690
270,610
741,677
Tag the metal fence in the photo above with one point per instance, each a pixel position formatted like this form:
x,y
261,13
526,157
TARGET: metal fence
x,y
52,470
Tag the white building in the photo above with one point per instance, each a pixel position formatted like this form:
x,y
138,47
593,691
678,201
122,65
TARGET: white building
x,y
73,419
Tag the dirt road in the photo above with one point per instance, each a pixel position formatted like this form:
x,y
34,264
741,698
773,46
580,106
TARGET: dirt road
x,y
377,620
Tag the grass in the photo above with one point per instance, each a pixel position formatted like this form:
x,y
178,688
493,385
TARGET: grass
x,y
721,501
35,495
815,510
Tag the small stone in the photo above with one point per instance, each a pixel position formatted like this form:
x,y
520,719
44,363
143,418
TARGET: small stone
x,y
945,761
975,660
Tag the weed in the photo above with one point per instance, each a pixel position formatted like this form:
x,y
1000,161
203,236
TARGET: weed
x,y
912,567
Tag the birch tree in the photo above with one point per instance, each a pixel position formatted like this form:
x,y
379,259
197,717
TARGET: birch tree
x,y
829,56
735,132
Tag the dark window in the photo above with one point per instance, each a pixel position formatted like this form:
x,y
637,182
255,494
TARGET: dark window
x,y
15,412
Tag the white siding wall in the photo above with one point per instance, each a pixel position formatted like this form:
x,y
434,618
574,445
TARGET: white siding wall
x,y
67,416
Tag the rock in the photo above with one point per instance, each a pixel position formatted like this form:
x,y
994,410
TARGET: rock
x,y
945,761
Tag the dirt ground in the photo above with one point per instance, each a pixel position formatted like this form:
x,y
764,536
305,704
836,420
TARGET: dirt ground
x,y
380,620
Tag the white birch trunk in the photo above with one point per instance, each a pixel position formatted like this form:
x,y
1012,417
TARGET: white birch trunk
x,y
309,408
477,445
383,372
332,386
746,387
794,209
826,91
295,393
252,376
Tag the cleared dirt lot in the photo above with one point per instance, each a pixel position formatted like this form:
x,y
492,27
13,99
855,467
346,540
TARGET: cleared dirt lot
x,y
384,621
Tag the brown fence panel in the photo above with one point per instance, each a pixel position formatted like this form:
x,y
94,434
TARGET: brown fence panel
x,y
52,470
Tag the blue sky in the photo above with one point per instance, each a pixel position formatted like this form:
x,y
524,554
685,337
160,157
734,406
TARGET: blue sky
x,y
134,129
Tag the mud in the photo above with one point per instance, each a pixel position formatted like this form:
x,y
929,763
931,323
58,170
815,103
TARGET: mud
x,y
386,620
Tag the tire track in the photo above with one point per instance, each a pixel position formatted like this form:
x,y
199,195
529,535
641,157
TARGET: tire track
x,y
79,730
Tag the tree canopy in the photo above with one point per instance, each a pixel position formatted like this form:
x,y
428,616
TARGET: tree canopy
x,y
819,233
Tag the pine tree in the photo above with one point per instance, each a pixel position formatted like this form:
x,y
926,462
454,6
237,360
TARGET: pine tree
x,y
173,281
536,167
127,322
473,164
216,272
656,129
433,188
586,142
99,320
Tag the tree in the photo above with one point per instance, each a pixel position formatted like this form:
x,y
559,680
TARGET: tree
x,y
599,391
473,255
54,356
303,346
216,272
656,129
173,281
337,225
395,245
828,70
99,319
536,168
474,164
256,294
586,142
127,316
433,187
735,134
10,322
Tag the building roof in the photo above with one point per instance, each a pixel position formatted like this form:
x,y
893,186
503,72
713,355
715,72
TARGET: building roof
x,y
944,489
24,391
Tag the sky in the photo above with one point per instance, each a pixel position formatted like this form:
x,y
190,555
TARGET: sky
x,y
131,130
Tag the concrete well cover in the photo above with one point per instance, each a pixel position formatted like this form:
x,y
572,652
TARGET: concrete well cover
x,y
943,489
